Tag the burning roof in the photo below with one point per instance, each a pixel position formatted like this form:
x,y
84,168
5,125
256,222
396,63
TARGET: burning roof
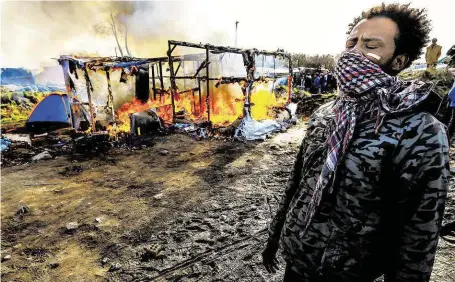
x,y
207,84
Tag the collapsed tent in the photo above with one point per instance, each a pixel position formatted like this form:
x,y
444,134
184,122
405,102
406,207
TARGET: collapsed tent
x,y
58,111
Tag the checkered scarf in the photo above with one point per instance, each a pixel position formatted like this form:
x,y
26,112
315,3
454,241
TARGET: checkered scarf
x,y
360,82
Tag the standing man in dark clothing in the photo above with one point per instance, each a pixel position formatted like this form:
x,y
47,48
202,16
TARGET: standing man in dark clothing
x,y
317,83
332,82
329,87
323,82
312,89
366,196
307,82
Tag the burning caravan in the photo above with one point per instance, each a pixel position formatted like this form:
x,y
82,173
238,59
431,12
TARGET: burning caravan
x,y
195,86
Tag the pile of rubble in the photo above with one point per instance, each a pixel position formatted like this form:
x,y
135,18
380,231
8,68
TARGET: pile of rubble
x,y
308,104
24,148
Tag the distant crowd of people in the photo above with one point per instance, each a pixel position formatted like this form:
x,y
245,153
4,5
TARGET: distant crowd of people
x,y
316,82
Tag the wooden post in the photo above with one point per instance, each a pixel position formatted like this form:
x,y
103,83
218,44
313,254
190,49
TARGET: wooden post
x,y
207,98
172,79
92,113
200,94
110,97
250,64
153,82
161,78
289,87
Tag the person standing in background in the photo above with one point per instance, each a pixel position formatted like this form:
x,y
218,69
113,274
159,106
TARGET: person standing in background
x,y
331,82
433,54
307,82
317,84
323,81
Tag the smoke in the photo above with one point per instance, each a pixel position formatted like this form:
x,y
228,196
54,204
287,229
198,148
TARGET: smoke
x,y
32,33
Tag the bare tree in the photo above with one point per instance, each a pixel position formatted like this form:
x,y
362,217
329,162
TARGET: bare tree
x,y
112,28
126,41
114,31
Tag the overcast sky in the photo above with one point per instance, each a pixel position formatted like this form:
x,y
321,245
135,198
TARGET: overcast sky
x,y
34,32
317,26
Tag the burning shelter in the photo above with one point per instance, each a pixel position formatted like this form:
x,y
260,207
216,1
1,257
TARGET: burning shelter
x,y
195,86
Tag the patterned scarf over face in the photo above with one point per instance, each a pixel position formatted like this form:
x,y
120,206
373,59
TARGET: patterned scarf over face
x,y
360,82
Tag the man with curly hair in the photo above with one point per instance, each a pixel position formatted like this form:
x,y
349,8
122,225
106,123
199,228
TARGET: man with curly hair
x,y
366,195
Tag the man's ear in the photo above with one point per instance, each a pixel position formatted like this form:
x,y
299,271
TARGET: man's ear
x,y
399,62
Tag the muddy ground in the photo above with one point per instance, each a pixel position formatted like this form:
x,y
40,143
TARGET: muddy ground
x,y
180,210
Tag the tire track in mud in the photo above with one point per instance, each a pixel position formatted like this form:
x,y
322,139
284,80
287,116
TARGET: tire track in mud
x,y
213,255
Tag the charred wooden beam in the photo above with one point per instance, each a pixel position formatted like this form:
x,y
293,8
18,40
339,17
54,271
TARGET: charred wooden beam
x,y
172,79
161,75
186,44
215,49
200,95
194,101
110,96
188,90
153,82
89,94
178,67
248,60
207,98
274,74
200,68
228,80
162,91
227,49
172,49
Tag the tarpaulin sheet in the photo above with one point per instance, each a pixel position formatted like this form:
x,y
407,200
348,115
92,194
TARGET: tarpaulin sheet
x,y
250,129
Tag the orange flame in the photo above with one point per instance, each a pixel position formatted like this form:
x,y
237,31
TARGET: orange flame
x,y
163,106
226,105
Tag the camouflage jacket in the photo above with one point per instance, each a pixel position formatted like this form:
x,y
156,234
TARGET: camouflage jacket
x,y
386,210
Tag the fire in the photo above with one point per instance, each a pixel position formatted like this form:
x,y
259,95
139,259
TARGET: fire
x,y
264,102
226,105
162,105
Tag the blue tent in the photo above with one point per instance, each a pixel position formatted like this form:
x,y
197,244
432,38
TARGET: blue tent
x,y
56,111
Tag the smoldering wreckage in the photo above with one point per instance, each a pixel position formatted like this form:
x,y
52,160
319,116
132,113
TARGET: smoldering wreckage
x,y
211,91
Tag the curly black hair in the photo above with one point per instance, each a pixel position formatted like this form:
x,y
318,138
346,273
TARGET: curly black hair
x,y
413,27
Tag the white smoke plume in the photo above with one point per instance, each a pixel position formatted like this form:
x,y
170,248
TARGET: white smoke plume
x,y
32,33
